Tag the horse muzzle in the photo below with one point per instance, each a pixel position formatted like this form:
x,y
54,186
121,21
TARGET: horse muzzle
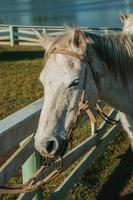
x,y
52,147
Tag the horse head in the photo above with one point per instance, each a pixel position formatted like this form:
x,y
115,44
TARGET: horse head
x,y
69,81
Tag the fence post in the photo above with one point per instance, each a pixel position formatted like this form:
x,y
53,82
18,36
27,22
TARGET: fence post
x,y
93,128
28,170
12,43
13,35
44,30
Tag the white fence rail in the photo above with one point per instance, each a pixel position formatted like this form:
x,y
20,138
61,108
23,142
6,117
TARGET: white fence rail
x,y
23,35
19,127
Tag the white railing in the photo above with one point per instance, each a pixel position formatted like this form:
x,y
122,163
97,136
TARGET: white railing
x,y
23,35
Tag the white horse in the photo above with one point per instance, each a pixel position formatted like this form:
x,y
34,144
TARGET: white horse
x,y
127,21
74,61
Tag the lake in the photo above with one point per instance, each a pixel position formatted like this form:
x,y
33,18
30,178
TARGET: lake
x,y
93,13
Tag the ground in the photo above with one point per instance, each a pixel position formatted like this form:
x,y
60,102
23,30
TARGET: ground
x,y
110,177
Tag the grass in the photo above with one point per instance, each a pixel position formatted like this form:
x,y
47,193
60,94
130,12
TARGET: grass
x,y
110,176
19,83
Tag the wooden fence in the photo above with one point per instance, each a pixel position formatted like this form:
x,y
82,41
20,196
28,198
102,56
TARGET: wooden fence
x,y
23,35
20,127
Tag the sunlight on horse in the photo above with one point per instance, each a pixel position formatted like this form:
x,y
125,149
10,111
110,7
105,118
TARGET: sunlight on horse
x,y
105,61
127,21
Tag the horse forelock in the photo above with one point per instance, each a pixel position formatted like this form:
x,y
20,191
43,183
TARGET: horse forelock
x,y
64,41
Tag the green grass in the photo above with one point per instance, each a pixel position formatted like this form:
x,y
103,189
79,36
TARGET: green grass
x,y
110,176
19,83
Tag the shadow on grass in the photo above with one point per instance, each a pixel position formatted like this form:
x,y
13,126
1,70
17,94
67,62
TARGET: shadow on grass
x,y
127,197
20,55
113,187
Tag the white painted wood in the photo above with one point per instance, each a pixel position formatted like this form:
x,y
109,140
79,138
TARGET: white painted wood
x,y
4,37
19,125
28,39
4,43
14,163
93,128
29,168
24,31
16,31
29,44
4,30
12,40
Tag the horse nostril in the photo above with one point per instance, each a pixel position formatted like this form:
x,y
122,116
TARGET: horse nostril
x,y
51,146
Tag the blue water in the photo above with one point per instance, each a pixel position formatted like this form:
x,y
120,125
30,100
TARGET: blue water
x,y
93,13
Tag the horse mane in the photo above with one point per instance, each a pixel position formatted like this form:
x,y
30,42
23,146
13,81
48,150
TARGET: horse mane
x,y
116,51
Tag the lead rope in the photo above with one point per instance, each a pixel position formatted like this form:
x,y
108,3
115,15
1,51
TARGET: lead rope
x,y
30,186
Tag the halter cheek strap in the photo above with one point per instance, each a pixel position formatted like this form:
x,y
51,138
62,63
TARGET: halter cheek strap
x,y
83,104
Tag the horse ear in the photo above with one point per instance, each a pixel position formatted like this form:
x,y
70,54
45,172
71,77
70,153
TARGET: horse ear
x,y
123,17
78,39
44,39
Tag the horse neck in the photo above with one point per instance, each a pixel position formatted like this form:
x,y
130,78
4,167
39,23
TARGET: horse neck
x,y
115,94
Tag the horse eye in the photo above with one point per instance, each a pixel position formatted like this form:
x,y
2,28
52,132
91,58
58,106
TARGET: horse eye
x,y
74,83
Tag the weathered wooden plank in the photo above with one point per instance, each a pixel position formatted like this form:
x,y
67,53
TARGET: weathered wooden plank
x,y
4,25
12,36
19,125
28,39
4,43
4,30
93,128
29,44
14,163
39,27
55,33
60,27
28,169
4,37
28,32
67,184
